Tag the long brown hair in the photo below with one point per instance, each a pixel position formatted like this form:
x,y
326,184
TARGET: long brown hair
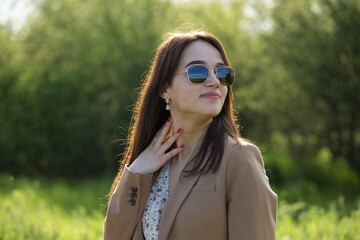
x,y
150,113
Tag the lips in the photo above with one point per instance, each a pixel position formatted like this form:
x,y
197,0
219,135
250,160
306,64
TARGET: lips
x,y
211,95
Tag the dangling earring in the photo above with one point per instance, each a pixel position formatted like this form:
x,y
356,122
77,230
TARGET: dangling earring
x,y
167,104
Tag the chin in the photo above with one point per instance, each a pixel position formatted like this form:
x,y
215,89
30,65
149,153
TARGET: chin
x,y
212,113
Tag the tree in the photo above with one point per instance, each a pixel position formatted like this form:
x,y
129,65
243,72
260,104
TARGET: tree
x,y
318,43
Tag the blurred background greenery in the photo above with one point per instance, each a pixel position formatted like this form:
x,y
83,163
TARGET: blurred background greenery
x,y
70,74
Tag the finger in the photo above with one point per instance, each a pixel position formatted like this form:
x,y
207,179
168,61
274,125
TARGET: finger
x,y
172,153
171,140
161,134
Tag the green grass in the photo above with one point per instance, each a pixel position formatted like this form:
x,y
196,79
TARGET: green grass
x,y
49,209
298,222
64,209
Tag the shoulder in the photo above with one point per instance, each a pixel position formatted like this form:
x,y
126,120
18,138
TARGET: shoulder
x,y
242,150
243,154
244,168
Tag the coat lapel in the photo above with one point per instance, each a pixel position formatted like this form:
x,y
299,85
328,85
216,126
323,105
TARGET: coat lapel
x,y
178,195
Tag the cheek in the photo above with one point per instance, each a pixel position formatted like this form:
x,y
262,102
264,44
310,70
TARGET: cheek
x,y
184,93
224,91
187,96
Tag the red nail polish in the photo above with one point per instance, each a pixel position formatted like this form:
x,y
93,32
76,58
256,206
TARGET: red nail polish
x,y
179,130
182,146
169,119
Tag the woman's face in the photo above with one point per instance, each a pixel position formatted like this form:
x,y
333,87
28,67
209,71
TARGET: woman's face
x,y
205,99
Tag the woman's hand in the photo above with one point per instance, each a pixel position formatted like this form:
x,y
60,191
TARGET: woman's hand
x,y
154,156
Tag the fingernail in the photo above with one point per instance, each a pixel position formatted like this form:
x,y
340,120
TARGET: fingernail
x,y
179,130
169,119
182,146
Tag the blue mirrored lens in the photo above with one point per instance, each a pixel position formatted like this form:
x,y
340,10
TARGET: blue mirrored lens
x,y
225,75
198,74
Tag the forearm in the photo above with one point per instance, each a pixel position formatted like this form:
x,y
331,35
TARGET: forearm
x,y
126,205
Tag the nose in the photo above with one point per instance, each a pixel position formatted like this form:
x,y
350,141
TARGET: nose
x,y
212,80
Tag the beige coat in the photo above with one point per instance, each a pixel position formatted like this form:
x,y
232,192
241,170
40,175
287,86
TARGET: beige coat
x,y
235,202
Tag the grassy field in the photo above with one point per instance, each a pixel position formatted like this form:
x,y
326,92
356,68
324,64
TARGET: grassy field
x,y
63,209
49,209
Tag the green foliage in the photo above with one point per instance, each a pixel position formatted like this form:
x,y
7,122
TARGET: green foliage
x,y
304,176
67,209
317,44
80,65
49,209
298,221
300,100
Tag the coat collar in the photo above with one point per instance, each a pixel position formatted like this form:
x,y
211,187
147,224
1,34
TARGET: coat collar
x,y
177,196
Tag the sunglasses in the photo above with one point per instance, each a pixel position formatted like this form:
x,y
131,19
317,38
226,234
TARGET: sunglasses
x,y
199,73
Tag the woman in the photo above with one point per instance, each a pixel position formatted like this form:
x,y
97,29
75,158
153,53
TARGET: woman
x,y
187,174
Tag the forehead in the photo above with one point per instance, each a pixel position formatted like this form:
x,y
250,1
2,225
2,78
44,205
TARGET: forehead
x,y
200,51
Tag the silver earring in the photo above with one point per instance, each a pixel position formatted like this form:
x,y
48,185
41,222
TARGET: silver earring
x,y
167,104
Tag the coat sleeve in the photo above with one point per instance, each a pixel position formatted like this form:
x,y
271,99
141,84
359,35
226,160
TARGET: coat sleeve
x,y
126,205
251,204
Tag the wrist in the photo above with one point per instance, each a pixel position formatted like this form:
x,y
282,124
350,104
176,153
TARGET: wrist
x,y
134,169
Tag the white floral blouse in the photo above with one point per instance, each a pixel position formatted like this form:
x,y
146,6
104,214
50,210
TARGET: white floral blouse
x,y
159,193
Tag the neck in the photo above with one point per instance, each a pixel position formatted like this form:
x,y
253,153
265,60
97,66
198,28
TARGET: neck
x,y
193,132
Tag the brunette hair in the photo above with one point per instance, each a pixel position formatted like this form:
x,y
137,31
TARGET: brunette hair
x,y
150,114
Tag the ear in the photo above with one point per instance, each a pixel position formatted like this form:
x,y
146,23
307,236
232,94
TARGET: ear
x,y
165,94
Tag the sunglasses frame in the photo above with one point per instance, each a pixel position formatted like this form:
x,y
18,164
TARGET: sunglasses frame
x,y
213,68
